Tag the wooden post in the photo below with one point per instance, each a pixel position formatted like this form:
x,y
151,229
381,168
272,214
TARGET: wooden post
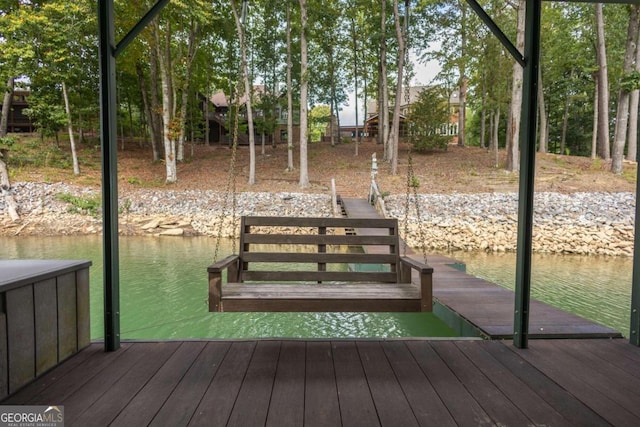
x,y
426,291
215,291
334,199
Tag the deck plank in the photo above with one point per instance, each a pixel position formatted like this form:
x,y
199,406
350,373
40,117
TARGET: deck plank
x,y
493,401
252,403
619,353
357,382
462,406
576,381
427,406
518,392
388,396
603,376
356,404
321,394
287,399
61,372
90,380
563,402
144,406
178,409
217,403
115,398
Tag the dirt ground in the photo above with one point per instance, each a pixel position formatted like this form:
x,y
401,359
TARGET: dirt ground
x,y
459,169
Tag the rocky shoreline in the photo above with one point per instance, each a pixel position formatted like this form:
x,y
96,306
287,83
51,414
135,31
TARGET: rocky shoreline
x,y
580,223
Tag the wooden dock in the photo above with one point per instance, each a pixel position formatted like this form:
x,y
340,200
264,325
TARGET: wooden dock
x,y
487,307
346,383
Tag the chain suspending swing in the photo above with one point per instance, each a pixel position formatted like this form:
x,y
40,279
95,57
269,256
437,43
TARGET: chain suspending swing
x,y
231,186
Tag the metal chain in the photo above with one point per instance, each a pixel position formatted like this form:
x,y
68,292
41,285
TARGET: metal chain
x,y
230,187
412,182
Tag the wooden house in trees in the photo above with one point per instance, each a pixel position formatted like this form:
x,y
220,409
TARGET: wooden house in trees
x,y
219,113
18,120
371,125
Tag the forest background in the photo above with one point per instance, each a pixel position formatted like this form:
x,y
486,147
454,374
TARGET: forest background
x,y
309,54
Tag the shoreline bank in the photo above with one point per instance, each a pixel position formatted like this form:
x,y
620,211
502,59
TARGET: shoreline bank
x,y
578,223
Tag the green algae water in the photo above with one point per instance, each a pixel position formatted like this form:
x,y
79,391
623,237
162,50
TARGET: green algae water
x,y
595,287
164,289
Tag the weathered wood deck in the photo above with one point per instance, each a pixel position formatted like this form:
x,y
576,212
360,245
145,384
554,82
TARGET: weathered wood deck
x,y
350,383
487,306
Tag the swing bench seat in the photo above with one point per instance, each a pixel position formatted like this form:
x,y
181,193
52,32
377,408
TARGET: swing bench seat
x,y
288,264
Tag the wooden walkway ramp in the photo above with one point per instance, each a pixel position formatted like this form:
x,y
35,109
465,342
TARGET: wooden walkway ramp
x,y
487,306
345,383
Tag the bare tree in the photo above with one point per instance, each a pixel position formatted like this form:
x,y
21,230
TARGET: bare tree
x,y
394,135
72,140
513,155
622,115
603,87
304,89
632,147
289,94
247,90
6,107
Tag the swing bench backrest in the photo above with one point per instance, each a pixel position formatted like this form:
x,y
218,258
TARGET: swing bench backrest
x,y
318,264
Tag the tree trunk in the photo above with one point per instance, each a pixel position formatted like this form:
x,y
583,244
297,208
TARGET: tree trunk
x,y
622,116
289,94
167,107
191,56
496,129
147,111
483,113
355,76
72,141
594,134
5,190
394,135
383,102
565,122
603,87
304,89
462,110
156,108
244,69
543,145
207,129
513,154
632,148
6,107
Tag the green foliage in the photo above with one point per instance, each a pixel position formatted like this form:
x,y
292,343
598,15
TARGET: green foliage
x,y
631,81
82,205
319,117
426,119
47,117
7,141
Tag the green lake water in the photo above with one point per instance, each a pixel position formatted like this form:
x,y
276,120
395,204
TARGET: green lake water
x,y
163,295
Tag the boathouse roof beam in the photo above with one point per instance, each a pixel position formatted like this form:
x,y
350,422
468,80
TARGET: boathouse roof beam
x,y
497,31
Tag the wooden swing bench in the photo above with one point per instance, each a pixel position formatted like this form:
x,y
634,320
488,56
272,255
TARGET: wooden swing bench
x,y
316,267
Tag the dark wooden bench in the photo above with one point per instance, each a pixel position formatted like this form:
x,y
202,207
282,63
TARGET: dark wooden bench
x,y
319,264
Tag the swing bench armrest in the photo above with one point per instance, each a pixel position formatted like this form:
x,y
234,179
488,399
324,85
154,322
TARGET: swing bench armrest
x,y
420,266
231,263
425,279
224,263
